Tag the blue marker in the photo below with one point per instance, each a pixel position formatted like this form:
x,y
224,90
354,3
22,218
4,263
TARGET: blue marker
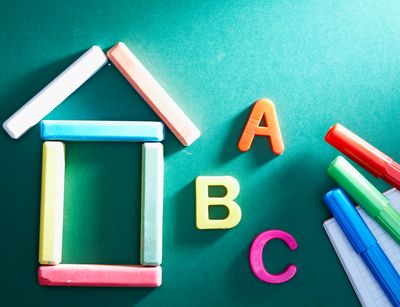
x,y
98,131
364,243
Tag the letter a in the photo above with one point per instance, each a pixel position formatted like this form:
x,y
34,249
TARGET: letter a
x,y
262,108
203,201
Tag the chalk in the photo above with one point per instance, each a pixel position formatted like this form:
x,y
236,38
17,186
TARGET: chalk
x,y
152,92
55,92
152,204
203,201
256,256
52,203
263,108
108,131
98,275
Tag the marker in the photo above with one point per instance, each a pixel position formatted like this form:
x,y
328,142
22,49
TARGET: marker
x,y
364,243
363,153
366,195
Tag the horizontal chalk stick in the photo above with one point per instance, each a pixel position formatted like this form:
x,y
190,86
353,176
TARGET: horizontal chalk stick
x,y
152,204
152,92
52,203
55,92
98,275
108,131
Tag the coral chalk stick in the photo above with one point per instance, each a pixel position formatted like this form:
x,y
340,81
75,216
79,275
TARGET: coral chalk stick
x,y
99,275
152,92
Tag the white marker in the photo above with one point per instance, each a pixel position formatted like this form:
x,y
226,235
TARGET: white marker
x,y
55,92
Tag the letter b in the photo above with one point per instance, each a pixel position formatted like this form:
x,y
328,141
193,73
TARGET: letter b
x,y
203,201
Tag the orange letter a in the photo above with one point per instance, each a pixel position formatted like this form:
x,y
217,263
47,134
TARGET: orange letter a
x,y
262,108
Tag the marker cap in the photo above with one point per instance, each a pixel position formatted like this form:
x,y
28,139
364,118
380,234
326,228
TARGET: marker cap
x,y
349,220
389,218
359,188
360,151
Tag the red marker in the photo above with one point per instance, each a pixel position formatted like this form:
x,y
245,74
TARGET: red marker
x,y
363,153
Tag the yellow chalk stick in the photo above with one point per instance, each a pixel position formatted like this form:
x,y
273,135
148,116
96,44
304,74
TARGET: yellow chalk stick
x,y
203,201
52,203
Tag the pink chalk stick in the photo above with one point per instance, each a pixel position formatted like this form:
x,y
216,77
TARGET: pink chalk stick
x,y
152,92
98,275
256,260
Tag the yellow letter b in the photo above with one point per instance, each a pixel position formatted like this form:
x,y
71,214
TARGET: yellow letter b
x,y
203,201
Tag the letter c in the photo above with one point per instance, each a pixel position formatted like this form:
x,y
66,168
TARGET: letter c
x,y
256,261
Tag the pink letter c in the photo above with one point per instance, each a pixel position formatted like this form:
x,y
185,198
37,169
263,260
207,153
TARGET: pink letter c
x,y
256,261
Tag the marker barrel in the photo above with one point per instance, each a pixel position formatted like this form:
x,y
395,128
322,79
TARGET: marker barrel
x,y
361,152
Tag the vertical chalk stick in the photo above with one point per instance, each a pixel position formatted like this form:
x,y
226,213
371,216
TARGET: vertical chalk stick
x,y
152,92
98,130
97,275
52,203
55,92
152,204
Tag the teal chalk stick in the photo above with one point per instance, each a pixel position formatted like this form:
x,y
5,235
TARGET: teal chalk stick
x,y
102,131
152,204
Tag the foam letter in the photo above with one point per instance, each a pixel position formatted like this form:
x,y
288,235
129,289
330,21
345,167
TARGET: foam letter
x,y
52,203
256,260
262,108
203,201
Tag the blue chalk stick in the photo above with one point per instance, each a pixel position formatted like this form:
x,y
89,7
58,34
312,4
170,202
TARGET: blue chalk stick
x,y
102,131
152,204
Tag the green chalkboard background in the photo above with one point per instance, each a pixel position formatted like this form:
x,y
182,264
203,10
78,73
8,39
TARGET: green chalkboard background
x,y
321,62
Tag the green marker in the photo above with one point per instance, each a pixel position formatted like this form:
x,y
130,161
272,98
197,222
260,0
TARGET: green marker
x,y
366,195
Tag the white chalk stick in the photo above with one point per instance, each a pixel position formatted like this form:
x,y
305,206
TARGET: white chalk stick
x,y
153,93
152,204
55,92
